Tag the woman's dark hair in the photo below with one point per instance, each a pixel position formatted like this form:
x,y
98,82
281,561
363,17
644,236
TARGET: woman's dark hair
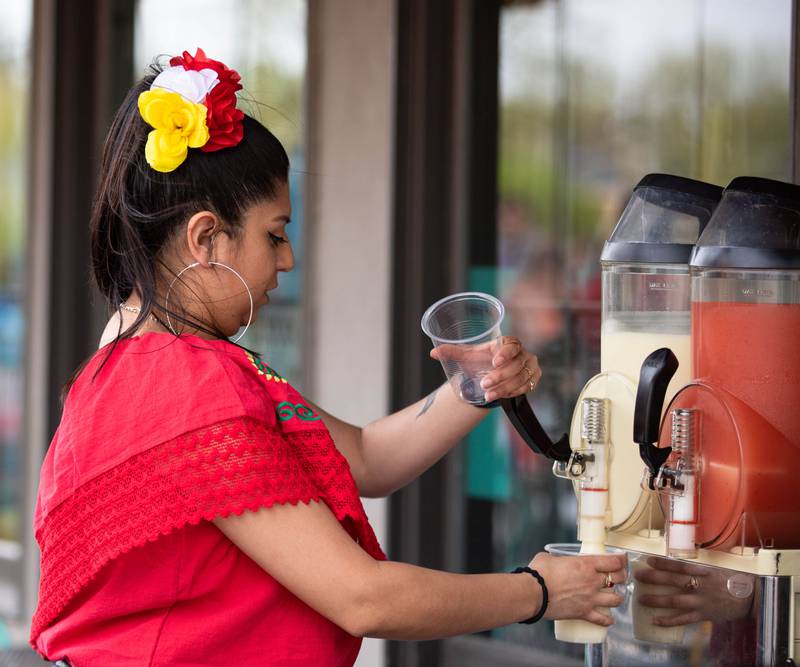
x,y
138,210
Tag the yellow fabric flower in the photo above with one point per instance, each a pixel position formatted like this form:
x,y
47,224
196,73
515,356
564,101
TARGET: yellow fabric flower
x,y
179,125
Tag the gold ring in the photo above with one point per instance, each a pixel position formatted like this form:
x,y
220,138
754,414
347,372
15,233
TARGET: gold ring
x,y
531,373
693,584
608,582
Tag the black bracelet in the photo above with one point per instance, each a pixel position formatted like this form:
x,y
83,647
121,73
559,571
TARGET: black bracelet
x,y
538,615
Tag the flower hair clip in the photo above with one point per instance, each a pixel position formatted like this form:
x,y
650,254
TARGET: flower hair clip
x,y
191,104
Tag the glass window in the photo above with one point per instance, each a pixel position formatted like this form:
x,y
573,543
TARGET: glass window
x,y
266,43
593,95
15,75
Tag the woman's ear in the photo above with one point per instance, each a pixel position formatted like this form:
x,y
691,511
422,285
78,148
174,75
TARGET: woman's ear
x,y
200,233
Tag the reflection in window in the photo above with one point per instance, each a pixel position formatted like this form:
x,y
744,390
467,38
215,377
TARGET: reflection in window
x,y
593,95
15,72
265,41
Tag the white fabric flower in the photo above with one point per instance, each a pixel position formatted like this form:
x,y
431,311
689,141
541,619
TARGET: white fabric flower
x,y
189,84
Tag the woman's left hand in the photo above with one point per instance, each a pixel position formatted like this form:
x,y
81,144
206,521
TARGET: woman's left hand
x,y
515,371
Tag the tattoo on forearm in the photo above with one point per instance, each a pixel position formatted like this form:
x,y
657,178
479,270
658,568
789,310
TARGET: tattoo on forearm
x,y
428,403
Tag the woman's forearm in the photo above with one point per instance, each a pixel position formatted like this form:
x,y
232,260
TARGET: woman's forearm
x,y
409,602
305,549
398,448
391,452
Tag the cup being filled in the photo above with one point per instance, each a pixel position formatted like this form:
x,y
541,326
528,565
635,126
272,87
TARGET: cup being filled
x,y
578,631
465,328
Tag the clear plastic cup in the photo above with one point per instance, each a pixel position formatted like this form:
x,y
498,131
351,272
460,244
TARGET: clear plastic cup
x,y
578,631
466,328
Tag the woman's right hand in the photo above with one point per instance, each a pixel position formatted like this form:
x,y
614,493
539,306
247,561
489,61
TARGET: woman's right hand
x,y
576,585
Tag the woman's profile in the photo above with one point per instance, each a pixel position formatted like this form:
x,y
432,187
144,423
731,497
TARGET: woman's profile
x,y
193,507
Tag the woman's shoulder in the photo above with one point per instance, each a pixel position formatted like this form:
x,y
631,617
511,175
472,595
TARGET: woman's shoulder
x,y
152,389
159,386
189,364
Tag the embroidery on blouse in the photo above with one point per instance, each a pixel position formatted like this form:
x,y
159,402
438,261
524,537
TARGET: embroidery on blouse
x,y
262,368
287,411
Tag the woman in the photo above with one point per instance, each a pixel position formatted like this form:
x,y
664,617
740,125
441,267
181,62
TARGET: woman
x,y
193,508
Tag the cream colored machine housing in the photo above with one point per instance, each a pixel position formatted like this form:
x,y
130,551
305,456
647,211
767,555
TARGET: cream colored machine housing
x,y
630,509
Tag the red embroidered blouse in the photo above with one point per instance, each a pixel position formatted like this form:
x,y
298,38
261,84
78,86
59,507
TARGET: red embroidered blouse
x,y
171,433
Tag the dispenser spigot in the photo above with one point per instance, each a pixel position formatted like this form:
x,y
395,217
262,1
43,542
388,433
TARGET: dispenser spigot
x,y
594,434
589,466
575,467
657,371
678,479
669,480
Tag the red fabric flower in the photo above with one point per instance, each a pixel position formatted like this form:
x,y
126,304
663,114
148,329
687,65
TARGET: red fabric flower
x,y
224,120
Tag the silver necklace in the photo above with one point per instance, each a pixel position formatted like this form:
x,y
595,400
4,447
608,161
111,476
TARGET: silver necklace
x,y
136,309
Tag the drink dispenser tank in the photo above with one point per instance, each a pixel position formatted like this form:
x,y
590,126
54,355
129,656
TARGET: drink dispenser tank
x,y
645,306
724,458
745,274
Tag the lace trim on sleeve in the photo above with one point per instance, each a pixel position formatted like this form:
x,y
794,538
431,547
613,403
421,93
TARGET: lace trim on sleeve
x,y
232,466
331,473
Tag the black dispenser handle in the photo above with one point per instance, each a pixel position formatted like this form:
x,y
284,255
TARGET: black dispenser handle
x,y
657,371
521,416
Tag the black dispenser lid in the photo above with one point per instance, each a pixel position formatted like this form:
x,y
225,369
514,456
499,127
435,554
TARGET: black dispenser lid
x,y
662,221
756,226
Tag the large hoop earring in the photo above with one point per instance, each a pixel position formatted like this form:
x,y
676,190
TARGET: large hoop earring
x,y
224,266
